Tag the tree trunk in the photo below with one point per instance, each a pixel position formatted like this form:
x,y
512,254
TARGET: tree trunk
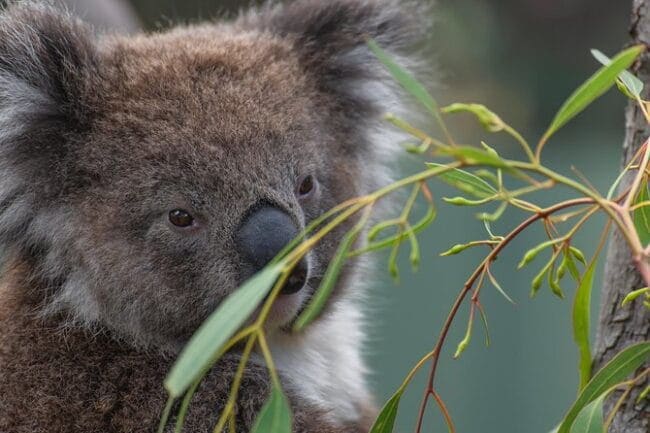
x,y
619,326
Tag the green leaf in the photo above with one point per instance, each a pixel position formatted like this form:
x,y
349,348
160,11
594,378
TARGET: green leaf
x,y
642,216
631,297
464,343
475,156
490,121
592,89
386,419
408,82
579,255
275,415
206,343
581,323
497,286
614,372
456,249
631,85
329,280
462,201
531,254
539,278
590,418
571,265
465,181
390,241
554,284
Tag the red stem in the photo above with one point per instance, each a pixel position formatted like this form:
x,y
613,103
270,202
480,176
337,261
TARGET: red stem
x,y
430,390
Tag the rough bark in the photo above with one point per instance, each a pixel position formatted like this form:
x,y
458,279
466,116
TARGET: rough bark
x,y
621,327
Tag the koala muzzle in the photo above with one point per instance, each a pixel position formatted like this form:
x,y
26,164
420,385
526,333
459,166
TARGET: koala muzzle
x,y
262,235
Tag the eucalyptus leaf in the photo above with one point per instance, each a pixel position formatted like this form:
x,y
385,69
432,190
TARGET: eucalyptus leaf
x,y
275,416
590,418
329,280
581,323
614,372
462,201
632,86
490,121
465,181
204,346
385,422
631,297
408,82
642,215
475,156
592,89
531,254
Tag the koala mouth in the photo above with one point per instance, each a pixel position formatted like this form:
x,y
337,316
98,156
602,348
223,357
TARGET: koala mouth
x,y
293,298
298,279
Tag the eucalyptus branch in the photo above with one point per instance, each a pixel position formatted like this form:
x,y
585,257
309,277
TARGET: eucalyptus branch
x,y
468,287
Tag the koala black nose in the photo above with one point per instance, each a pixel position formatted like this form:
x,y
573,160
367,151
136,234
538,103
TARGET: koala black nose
x,y
262,235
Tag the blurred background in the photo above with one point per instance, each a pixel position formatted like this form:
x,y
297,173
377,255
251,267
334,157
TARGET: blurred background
x,y
522,58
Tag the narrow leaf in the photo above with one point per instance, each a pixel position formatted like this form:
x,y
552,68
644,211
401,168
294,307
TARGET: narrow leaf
x,y
590,418
631,84
642,215
462,201
329,280
206,343
615,371
581,323
593,88
631,297
475,156
456,249
409,83
531,254
490,121
385,422
275,415
466,182
497,286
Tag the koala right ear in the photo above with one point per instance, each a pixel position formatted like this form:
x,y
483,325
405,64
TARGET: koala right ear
x,y
46,60
330,38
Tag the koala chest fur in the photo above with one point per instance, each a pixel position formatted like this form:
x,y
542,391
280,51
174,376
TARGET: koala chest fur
x,y
144,178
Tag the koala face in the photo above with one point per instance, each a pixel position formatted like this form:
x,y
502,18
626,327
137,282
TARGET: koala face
x,y
146,178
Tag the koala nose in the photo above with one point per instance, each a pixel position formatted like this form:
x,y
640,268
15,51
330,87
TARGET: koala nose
x,y
262,235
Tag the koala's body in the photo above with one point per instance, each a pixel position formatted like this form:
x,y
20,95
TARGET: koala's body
x,y
144,178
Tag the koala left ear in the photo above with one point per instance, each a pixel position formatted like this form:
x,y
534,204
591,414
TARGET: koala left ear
x,y
331,37
46,57
47,61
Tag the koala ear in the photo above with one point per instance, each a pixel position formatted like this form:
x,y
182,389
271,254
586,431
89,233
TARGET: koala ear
x,y
45,59
331,37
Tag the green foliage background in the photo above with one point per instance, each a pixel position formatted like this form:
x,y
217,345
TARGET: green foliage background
x,y
521,58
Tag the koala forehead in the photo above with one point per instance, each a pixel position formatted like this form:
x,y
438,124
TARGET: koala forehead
x,y
220,95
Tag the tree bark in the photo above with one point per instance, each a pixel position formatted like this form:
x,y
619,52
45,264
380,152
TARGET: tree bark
x,y
619,327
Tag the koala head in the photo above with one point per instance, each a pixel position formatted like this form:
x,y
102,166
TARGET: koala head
x,y
144,178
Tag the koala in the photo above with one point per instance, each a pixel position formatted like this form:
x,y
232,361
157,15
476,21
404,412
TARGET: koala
x,y
143,178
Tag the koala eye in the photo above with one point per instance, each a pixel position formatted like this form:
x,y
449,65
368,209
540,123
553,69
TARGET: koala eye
x,y
306,187
181,218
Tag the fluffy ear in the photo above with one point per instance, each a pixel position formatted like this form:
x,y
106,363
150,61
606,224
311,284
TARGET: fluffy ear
x,y
46,58
331,36
46,61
